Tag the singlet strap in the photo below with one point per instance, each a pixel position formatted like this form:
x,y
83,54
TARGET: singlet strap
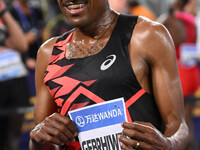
x,y
127,27
63,37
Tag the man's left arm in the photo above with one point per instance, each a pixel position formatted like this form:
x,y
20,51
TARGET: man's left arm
x,y
159,52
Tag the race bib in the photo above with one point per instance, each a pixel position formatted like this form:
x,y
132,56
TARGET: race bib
x,y
100,124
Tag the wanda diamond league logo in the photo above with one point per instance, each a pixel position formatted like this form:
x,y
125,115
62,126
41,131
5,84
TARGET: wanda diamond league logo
x,y
80,121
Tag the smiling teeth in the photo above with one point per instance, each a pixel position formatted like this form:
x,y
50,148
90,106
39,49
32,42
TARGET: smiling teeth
x,y
76,6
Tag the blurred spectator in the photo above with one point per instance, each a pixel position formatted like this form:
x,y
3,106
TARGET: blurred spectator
x,y
157,6
9,27
57,24
118,5
180,22
31,21
191,7
13,82
198,27
136,8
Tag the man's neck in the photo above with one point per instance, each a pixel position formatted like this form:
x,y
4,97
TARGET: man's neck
x,y
95,29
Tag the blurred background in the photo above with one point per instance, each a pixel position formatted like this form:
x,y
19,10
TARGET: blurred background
x,y
42,19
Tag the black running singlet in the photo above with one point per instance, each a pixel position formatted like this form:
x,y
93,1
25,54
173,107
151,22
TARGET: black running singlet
x,y
107,75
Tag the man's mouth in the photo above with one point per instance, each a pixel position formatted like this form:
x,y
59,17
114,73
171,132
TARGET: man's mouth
x,y
77,4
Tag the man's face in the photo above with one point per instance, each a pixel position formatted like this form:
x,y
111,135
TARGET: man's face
x,y
82,12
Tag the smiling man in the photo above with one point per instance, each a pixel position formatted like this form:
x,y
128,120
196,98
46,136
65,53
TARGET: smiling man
x,y
108,56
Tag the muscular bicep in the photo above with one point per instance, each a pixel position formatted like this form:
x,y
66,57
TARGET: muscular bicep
x,y
44,104
154,62
165,80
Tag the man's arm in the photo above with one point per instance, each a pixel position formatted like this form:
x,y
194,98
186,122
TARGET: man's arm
x,y
51,127
151,46
16,38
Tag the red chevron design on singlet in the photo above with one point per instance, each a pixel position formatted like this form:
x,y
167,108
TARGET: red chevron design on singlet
x,y
51,71
65,88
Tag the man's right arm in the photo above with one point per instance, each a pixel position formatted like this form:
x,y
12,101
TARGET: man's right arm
x,y
51,127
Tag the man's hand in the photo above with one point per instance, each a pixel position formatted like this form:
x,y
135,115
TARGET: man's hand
x,y
143,136
55,129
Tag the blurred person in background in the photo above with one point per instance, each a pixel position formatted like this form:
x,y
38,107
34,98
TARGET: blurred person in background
x,y
119,6
180,22
136,8
14,92
57,24
31,21
157,6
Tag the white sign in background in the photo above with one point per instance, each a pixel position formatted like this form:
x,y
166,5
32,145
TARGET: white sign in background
x,y
100,124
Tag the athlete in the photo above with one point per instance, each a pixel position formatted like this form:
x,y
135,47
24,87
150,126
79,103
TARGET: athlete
x,y
106,56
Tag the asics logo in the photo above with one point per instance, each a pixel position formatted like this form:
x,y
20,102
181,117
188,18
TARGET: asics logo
x,y
108,62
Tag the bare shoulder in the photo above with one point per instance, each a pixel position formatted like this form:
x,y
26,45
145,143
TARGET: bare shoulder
x,y
44,55
151,40
46,48
147,29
